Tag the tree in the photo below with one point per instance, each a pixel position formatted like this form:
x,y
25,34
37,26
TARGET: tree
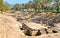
x,y
1,5
57,5
36,4
42,4
16,7
6,6
29,5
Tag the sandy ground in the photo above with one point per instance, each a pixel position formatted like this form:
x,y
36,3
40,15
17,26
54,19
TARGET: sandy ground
x,y
9,28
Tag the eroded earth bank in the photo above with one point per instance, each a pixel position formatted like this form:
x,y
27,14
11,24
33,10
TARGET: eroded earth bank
x,y
29,25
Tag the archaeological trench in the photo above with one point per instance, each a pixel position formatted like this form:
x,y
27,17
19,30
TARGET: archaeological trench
x,y
30,25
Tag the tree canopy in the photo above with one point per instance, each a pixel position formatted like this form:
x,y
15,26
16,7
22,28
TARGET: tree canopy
x,y
3,6
44,5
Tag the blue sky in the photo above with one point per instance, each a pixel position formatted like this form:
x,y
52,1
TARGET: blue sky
x,y
16,1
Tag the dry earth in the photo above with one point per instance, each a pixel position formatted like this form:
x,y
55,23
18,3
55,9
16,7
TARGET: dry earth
x,y
10,28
